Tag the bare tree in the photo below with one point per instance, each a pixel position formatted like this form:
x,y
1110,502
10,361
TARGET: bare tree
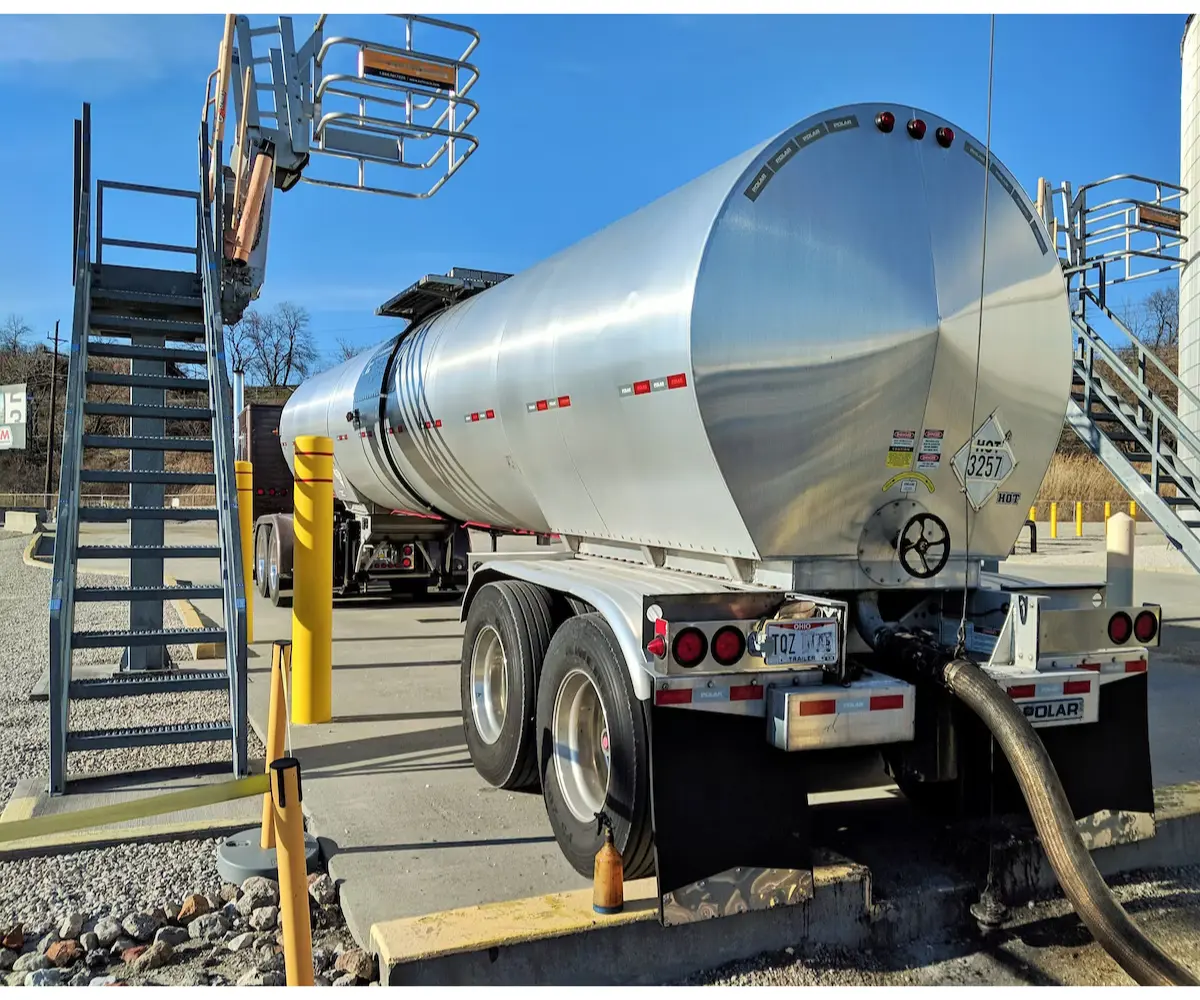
x,y
278,345
13,332
239,340
1155,319
343,350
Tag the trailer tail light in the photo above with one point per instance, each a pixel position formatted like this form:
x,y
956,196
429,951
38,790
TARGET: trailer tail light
x,y
885,121
261,492
728,645
945,137
916,128
1145,626
407,550
1120,628
657,647
406,563
689,647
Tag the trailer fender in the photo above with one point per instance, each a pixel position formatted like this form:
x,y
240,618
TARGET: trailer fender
x,y
621,607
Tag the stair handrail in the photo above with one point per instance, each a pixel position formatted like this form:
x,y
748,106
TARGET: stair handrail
x,y
220,393
62,587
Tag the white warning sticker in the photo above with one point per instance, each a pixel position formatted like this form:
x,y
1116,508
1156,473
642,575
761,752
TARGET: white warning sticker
x,y
985,462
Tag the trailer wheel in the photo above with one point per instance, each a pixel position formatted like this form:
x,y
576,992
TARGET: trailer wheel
x,y
594,747
504,642
273,581
262,541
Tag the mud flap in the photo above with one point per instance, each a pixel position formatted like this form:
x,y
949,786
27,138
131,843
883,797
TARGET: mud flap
x,y
1103,765
730,814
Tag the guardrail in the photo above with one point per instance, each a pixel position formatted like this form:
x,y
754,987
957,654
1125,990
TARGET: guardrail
x,y
49,501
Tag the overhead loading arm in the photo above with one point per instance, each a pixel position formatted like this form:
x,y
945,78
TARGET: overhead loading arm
x,y
356,105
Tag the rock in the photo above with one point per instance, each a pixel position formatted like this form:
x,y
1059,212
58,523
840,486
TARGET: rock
x,y
345,980
104,981
172,912
274,979
154,957
47,941
31,962
321,888
214,901
241,942
257,891
207,926
230,892
141,926
97,959
193,906
357,962
320,981
80,978
264,918
173,936
131,955
121,944
14,937
16,979
108,930
89,941
7,957
64,953
72,926
45,977
323,959
251,978
270,960
232,914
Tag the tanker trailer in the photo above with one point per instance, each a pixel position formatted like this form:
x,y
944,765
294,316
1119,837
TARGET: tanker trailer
x,y
779,418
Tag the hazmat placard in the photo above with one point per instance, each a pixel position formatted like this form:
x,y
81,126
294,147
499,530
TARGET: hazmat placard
x,y
985,462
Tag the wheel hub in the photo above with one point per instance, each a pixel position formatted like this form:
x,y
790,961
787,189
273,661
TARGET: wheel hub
x,y
582,752
489,684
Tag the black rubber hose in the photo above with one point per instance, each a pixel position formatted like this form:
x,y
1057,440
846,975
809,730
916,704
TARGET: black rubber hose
x,y
1110,925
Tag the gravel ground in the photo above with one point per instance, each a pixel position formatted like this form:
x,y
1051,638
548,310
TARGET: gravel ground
x,y
24,655
1043,944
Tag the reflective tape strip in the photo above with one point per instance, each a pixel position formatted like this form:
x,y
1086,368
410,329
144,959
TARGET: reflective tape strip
x,y
645,386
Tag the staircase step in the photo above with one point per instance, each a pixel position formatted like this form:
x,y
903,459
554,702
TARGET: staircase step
x,y
149,682
142,442
149,736
1166,479
188,592
150,410
117,298
138,352
110,639
130,476
172,383
109,325
118,515
147,551
1178,501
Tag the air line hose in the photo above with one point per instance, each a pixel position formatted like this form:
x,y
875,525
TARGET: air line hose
x,y
1099,910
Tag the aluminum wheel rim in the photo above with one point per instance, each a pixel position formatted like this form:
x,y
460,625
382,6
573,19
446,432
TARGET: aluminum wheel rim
x,y
489,684
581,746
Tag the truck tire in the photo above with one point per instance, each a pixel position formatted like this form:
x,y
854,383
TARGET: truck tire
x,y
262,543
273,580
504,642
594,748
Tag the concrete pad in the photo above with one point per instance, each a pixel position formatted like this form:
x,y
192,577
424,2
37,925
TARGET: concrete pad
x,y
30,800
25,521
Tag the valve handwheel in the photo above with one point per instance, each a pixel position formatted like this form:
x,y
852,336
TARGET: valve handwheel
x,y
924,545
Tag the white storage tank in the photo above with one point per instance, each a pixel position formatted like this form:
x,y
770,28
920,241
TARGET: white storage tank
x,y
1189,177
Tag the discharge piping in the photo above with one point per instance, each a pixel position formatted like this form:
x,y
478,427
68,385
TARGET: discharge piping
x,y
1099,910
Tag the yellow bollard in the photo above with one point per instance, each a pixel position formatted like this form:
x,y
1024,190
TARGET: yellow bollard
x,y
245,496
1133,509
1033,513
281,665
1107,510
312,582
1054,520
293,871
1078,519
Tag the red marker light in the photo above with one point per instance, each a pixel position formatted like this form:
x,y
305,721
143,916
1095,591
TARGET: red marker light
x,y
657,647
728,645
944,136
916,128
1120,628
1145,626
885,121
689,647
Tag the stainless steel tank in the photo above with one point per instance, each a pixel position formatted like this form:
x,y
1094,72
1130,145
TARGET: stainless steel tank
x,y
1189,178
751,366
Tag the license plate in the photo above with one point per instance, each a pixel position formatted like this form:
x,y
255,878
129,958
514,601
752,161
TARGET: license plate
x,y
1056,710
810,641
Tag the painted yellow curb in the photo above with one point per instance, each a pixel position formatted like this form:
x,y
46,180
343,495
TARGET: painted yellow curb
x,y
536,918
28,556
191,619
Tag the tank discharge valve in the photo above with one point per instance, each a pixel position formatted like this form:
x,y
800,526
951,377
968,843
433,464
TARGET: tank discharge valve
x,y
924,545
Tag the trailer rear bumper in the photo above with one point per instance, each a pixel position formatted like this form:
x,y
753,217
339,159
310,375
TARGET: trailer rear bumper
x,y
873,710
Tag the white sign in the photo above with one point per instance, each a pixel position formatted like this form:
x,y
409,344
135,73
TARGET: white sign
x,y
985,462
5,436
12,416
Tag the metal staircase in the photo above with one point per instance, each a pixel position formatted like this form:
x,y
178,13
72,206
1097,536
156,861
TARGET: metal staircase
x,y
1134,230
156,319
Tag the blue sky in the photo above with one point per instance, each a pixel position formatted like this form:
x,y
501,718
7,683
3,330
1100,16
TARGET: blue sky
x,y
584,119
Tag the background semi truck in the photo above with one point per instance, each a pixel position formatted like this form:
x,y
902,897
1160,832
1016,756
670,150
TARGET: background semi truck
x,y
375,550
781,418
